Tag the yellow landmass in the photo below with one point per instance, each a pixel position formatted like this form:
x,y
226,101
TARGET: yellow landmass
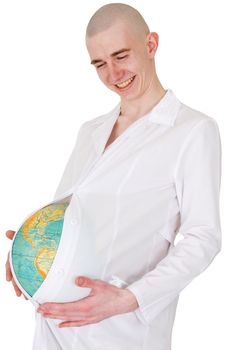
x,y
43,260
39,220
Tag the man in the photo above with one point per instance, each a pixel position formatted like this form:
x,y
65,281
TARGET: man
x,y
142,173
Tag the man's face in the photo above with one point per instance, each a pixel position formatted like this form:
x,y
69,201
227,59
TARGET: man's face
x,y
123,61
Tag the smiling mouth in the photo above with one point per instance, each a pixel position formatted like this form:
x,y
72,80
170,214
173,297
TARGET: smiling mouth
x,y
125,83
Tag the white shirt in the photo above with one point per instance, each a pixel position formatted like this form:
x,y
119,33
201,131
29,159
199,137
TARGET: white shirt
x,y
159,178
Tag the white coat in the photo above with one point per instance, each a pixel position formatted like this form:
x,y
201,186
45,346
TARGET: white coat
x,y
159,178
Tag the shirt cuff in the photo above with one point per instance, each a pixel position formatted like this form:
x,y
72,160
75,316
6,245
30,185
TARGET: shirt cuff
x,y
140,311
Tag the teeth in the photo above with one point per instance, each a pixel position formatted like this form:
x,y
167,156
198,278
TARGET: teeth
x,y
125,83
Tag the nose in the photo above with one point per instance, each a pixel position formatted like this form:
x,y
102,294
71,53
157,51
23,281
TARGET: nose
x,y
115,73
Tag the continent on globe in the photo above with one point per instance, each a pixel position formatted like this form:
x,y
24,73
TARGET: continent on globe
x,y
35,246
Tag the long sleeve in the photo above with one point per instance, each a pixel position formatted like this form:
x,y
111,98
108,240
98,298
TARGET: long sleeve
x,y
197,181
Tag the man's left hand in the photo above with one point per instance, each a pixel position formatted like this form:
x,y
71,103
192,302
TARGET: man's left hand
x,y
103,301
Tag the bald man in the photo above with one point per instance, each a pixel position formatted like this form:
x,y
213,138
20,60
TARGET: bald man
x,y
153,171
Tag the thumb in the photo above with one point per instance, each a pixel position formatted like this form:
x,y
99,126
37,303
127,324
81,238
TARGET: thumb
x,y
83,281
10,234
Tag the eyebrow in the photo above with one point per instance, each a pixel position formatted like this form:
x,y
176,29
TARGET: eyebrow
x,y
112,55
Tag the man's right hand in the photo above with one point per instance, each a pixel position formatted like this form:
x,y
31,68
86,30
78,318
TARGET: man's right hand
x,y
9,277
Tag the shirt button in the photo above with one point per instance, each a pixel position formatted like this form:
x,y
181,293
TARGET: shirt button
x,y
74,222
59,271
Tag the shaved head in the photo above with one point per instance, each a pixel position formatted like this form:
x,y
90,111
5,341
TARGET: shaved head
x,y
109,14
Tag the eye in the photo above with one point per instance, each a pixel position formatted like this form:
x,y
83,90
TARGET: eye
x,y
101,65
121,57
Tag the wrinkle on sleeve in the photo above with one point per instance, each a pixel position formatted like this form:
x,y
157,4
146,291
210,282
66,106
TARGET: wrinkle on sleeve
x,y
197,181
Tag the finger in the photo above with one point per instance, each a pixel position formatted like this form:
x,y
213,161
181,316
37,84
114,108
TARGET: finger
x,y
84,281
72,324
17,290
25,297
9,275
10,234
61,317
67,309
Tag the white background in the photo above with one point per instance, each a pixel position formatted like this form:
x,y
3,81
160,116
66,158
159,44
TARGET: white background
x,y
48,89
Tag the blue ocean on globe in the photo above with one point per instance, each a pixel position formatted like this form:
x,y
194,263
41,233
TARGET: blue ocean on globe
x,y
35,246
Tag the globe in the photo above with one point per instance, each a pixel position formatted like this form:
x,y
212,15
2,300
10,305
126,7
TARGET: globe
x,y
35,245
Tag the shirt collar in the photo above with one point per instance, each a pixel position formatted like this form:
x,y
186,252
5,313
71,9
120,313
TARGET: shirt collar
x,y
163,113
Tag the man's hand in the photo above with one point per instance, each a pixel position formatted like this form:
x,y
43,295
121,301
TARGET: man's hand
x,y
9,277
104,300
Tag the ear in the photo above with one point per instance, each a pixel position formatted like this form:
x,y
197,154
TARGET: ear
x,y
152,40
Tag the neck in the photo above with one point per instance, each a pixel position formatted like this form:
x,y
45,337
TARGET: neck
x,y
135,108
